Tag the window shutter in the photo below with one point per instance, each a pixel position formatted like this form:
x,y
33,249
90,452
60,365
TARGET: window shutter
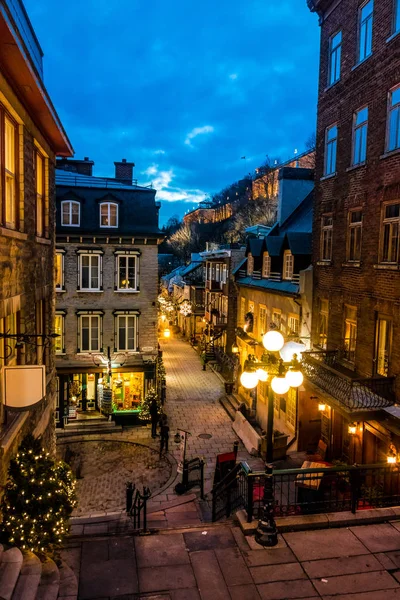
x,y
137,332
116,333
79,333
101,272
116,274
78,287
101,332
138,273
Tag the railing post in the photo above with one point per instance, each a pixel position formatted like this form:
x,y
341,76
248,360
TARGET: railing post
x,y
129,496
202,479
267,533
354,481
250,498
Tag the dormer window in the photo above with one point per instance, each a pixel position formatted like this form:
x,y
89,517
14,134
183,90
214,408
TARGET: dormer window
x,y
70,213
108,214
266,265
250,265
287,265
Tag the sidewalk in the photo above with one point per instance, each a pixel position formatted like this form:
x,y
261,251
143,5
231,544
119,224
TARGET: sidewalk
x,y
219,563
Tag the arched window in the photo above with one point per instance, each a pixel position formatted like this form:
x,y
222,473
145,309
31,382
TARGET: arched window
x,y
70,213
108,214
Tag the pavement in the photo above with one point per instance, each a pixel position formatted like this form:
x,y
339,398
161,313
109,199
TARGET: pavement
x,y
220,563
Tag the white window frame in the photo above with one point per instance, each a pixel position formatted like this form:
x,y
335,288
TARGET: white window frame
x,y
360,138
326,237
330,151
392,225
250,264
61,286
365,26
91,316
100,271
266,272
293,324
393,112
71,203
61,339
334,58
109,204
354,233
288,265
224,273
127,289
125,317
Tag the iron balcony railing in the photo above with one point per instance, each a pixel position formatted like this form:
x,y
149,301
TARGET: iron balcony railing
x,y
324,370
71,180
219,320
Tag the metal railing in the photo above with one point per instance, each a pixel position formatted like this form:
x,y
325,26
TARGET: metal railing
x,y
323,369
274,276
72,180
230,493
136,505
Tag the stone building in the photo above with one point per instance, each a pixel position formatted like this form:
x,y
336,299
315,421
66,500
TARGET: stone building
x,y
356,317
31,136
106,285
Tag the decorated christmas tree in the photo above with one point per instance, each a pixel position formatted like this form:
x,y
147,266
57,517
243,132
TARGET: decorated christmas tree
x,y
38,501
145,405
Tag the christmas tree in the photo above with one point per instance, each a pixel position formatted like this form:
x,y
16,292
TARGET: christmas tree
x,y
38,501
145,405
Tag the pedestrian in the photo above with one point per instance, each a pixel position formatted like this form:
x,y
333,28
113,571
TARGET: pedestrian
x,y
164,433
154,417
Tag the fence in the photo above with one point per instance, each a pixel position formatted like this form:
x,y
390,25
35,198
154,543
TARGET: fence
x,y
308,491
136,505
192,476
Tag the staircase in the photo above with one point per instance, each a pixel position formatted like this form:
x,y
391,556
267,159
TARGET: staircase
x,y
25,577
231,404
210,348
89,427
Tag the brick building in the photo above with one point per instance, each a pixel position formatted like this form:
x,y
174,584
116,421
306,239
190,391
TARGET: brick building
x,y
31,135
106,283
356,313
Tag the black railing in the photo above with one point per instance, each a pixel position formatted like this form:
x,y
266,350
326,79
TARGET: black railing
x,y
323,369
72,180
136,505
231,493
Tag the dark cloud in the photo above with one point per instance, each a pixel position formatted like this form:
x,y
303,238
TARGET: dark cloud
x,y
138,79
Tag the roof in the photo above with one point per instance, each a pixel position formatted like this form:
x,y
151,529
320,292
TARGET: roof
x,y
296,173
255,246
190,268
301,218
239,266
287,287
299,243
274,244
70,178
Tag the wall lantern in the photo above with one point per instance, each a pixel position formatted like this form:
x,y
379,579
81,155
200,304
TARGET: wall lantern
x,y
235,348
352,429
322,407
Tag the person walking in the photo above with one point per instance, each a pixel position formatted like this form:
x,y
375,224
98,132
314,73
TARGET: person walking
x,y
154,417
164,433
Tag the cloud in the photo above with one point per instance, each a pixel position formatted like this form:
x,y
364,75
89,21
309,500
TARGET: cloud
x,y
197,131
159,151
233,76
167,190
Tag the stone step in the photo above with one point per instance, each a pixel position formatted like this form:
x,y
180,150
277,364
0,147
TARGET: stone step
x,y
90,423
88,431
224,401
1,551
10,567
68,583
29,578
49,581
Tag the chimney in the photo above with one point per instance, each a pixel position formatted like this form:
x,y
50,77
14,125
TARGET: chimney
x,y
294,184
124,171
82,167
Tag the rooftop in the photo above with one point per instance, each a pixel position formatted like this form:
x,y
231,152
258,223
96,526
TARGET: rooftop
x,y
71,179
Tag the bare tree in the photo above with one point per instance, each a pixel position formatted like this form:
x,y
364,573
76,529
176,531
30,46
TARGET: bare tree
x,y
185,241
259,212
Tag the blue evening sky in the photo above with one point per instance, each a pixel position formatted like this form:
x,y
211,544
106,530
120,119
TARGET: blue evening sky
x,y
183,89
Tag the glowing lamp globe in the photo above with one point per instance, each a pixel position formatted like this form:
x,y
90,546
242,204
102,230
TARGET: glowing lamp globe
x,y
167,333
391,459
273,341
294,378
290,349
280,385
249,380
262,375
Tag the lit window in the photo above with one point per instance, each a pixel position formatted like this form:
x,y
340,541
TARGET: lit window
x,y
224,273
293,324
90,272
277,318
127,273
218,272
108,215
291,403
59,266
90,333
266,265
40,198
326,237
59,330
383,346
393,133
355,231
330,149
10,163
365,18
390,246
350,333
335,51
126,332
70,213
262,315
360,131
323,323
288,265
250,264
242,310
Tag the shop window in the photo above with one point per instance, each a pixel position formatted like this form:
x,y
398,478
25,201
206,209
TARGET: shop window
x,y
70,213
59,266
90,272
323,323
266,265
383,344
128,390
390,233
354,235
59,329
350,333
127,273
288,264
89,333
108,214
126,330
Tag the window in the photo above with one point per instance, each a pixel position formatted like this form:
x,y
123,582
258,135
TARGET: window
x,y
11,325
70,213
59,330
108,214
262,314
41,329
266,265
293,324
40,195
330,149
391,219
335,51
326,237
90,333
224,273
350,332
360,130
365,17
396,19
291,404
218,272
59,266
276,317
393,133
250,264
323,323
383,345
10,163
127,273
355,230
242,310
251,307
287,265
90,272
126,332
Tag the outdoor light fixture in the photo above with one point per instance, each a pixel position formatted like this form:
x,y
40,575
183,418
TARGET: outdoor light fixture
x,y
352,429
177,438
262,375
235,348
280,385
167,333
294,377
290,350
322,407
273,341
249,379
391,459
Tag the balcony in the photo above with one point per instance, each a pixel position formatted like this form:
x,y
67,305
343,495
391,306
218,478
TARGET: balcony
x,y
214,286
219,320
275,276
324,370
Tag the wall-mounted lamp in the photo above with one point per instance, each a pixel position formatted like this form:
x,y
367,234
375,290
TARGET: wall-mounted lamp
x,y
352,429
321,407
